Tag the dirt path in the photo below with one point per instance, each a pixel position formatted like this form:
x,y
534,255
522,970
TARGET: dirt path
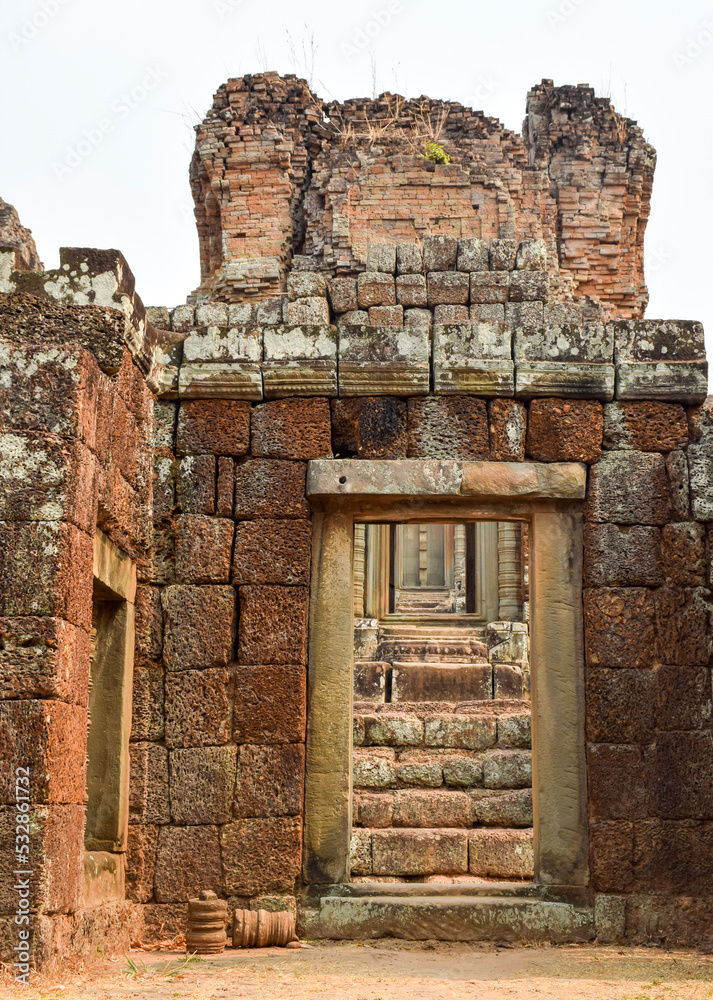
x,y
386,970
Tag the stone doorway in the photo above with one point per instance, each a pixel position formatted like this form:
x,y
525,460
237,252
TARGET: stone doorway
x,y
442,762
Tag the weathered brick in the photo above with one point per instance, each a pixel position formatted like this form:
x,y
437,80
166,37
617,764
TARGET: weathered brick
x,y
507,420
611,854
684,554
420,852
199,626
141,862
273,624
645,426
202,780
374,768
373,810
213,427
44,658
683,626
411,290
440,253
203,549
564,430
466,732
421,808
375,289
501,853
620,705
292,428
448,288
270,488
507,769
187,862
620,627
195,486
261,855
448,427
503,254
683,697
148,784
509,809
51,738
270,781
616,556
198,708
343,294
369,427
683,764
393,730
629,487
270,704
272,551
618,781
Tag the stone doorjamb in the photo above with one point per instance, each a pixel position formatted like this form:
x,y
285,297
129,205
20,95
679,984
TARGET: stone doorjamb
x,y
548,497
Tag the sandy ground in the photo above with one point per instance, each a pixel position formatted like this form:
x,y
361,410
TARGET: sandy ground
x,y
388,970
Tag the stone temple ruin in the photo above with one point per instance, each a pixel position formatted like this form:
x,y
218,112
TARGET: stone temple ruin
x,y
373,583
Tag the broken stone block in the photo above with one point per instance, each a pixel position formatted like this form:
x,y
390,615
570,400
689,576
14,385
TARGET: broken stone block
x,y
343,294
531,256
451,314
270,704
311,311
507,423
360,860
507,769
213,427
375,289
148,784
473,255
195,486
203,549
270,488
629,487
270,781
272,551
374,811
428,808
503,254
386,316
420,852
273,624
501,853
439,253
473,358
409,258
462,771
620,627
384,361
645,426
374,768
620,705
528,286
684,554
618,556
448,288
411,290
306,285
508,809
448,427
475,732
381,257
202,780
564,430
187,861
292,428
198,708
394,730
199,626
369,427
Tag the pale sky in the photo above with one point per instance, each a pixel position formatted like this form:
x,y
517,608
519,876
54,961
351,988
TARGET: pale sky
x,y
99,100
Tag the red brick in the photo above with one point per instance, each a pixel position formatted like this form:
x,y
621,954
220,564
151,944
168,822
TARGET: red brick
x,y
44,658
292,428
448,427
270,781
204,548
213,427
261,855
620,627
645,426
199,626
507,423
618,779
564,430
273,625
270,488
187,861
270,704
620,705
272,551
369,427
50,738
684,554
611,853
683,626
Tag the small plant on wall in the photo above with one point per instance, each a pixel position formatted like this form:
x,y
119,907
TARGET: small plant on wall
x,y
435,151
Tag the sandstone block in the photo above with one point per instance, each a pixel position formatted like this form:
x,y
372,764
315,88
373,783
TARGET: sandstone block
x,y
659,340
375,289
610,918
684,554
462,771
432,809
589,380
233,345
219,380
411,290
618,781
195,487
611,850
439,253
682,764
343,294
369,427
515,731
50,738
644,426
270,704
213,427
620,627
141,862
616,556
464,732
393,730
308,341
501,853
312,311
441,682
360,859
261,855
473,358
507,769
386,316
573,344
268,312
676,381
198,708
370,680
305,285
448,427
420,852
564,430
187,861
508,681
419,770
448,288
203,549
292,428
473,255
683,626
182,318
374,768
409,258
273,624
507,422
199,626
528,286
503,254
383,361
270,488
148,784
508,809
202,780
44,658
272,551
451,314
211,314
270,781
673,858
620,705
629,487
682,697
373,810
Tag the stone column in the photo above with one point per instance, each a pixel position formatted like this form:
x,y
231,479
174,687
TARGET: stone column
x,y
509,572
486,573
359,568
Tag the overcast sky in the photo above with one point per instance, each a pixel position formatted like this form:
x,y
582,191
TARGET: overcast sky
x,y
99,100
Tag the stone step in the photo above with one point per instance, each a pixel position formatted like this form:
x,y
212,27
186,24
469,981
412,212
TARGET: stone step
x,y
443,807
460,885
381,767
446,918
451,682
